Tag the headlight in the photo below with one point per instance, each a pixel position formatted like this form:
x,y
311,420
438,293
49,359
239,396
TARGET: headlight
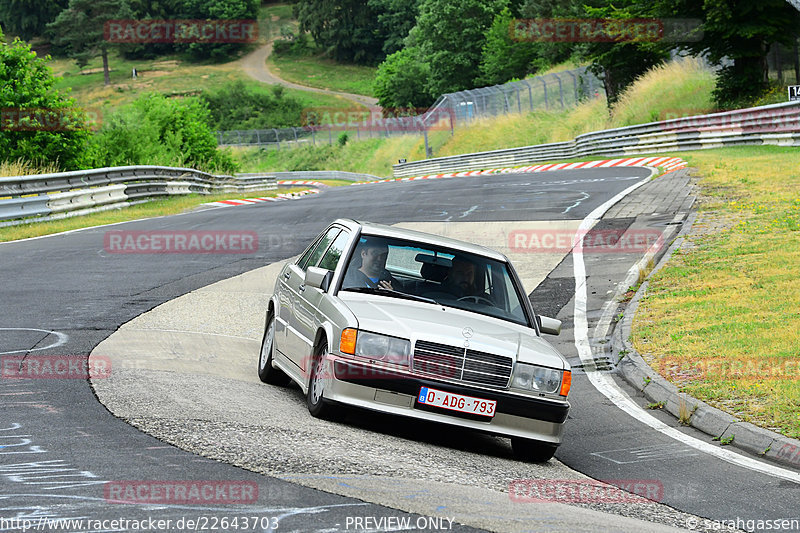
x,y
383,348
538,379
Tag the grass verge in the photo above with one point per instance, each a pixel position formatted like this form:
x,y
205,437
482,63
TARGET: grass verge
x,y
680,88
721,319
155,208
316,71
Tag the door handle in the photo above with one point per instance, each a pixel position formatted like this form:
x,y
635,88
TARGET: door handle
x,y
287,274
302,287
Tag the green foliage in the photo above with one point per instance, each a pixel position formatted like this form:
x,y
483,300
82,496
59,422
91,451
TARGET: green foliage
x,y
291,45
450,35
155,130
237,107
395,20
346,30
26,84
401,80
501,57
618,64
215,10
78,31
28,18
342,139
741,31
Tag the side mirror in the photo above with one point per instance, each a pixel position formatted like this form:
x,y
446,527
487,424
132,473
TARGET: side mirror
x,y
548,325
318,277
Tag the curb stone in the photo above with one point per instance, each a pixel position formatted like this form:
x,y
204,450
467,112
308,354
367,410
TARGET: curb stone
x,y
712,421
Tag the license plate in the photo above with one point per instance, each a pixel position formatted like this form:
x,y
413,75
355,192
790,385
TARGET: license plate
x,y
456,402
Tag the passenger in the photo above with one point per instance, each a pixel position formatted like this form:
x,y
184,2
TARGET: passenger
x,y
372,272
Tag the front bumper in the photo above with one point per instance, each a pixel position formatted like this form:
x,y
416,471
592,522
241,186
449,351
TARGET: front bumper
x,y
366,386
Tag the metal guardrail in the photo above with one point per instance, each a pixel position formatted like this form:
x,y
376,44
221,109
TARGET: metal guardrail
x,y
777,124
52,196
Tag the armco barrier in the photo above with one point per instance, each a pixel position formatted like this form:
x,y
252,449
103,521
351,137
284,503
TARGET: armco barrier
x,y
50,196
777,124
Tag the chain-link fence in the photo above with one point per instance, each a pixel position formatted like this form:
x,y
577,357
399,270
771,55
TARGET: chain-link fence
x,y
551,91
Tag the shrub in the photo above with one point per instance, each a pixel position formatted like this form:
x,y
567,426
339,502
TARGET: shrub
x,y
155,130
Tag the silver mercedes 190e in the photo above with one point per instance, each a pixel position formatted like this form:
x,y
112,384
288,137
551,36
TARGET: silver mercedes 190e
x,y
417,325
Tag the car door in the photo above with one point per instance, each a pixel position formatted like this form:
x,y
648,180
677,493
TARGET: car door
x,y
307,313
298,346
288,281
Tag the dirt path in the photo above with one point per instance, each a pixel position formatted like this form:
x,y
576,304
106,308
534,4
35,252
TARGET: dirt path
x,y
255,65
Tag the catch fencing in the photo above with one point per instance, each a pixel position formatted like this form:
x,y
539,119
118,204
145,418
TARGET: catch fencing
x,y
558,90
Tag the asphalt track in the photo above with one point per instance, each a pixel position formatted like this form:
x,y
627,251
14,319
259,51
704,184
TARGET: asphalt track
x,y
59,445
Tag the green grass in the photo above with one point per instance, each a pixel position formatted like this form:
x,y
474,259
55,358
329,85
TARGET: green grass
x,y
721,319
154,208
652,95
317,71
168,75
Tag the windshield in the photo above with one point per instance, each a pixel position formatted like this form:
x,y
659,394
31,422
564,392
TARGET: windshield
x,y
438,275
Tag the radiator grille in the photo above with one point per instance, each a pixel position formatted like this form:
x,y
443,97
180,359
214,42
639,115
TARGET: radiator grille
x,y
462,364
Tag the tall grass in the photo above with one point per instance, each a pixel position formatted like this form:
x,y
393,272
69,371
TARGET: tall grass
x,y
21,167
678,88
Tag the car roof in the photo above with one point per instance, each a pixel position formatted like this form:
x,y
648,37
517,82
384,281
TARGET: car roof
x,y
381,230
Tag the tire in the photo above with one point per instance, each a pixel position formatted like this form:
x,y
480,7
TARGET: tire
x,y
533,451
266,372
318,406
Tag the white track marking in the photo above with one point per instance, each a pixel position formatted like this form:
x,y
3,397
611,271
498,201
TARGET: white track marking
x,y
61,338
606,385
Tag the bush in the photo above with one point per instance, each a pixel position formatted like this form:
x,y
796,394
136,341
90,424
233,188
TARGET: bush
x,y
155,130
54,130
291,45
239,107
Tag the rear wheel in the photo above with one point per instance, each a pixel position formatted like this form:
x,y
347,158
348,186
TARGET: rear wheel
x,y
266,373
533,450
318,406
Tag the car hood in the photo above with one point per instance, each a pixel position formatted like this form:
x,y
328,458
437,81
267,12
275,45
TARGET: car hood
x,y
447,325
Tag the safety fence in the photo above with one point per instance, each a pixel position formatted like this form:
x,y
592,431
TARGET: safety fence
x,y
777,124
558,90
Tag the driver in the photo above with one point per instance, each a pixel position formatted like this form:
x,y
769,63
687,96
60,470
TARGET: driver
x,y
372,272
460,280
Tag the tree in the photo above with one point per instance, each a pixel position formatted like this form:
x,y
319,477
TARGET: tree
x,y
215,10
619,63
737,34
450,35
37,122
79,29
395,19
502,58
347,30
401,81
28,18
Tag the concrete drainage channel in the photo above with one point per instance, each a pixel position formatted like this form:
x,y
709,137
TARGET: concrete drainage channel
x,y
185,373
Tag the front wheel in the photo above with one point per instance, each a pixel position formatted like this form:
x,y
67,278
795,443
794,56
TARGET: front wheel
x,y
318,406
266,372
533,450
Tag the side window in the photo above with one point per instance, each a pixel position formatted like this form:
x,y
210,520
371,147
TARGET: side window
x,y
312,256
331,257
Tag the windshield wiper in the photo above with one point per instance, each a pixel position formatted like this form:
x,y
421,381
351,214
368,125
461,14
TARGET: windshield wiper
x,y
391,292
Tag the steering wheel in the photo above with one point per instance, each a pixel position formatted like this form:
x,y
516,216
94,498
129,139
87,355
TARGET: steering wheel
x,y
476,299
